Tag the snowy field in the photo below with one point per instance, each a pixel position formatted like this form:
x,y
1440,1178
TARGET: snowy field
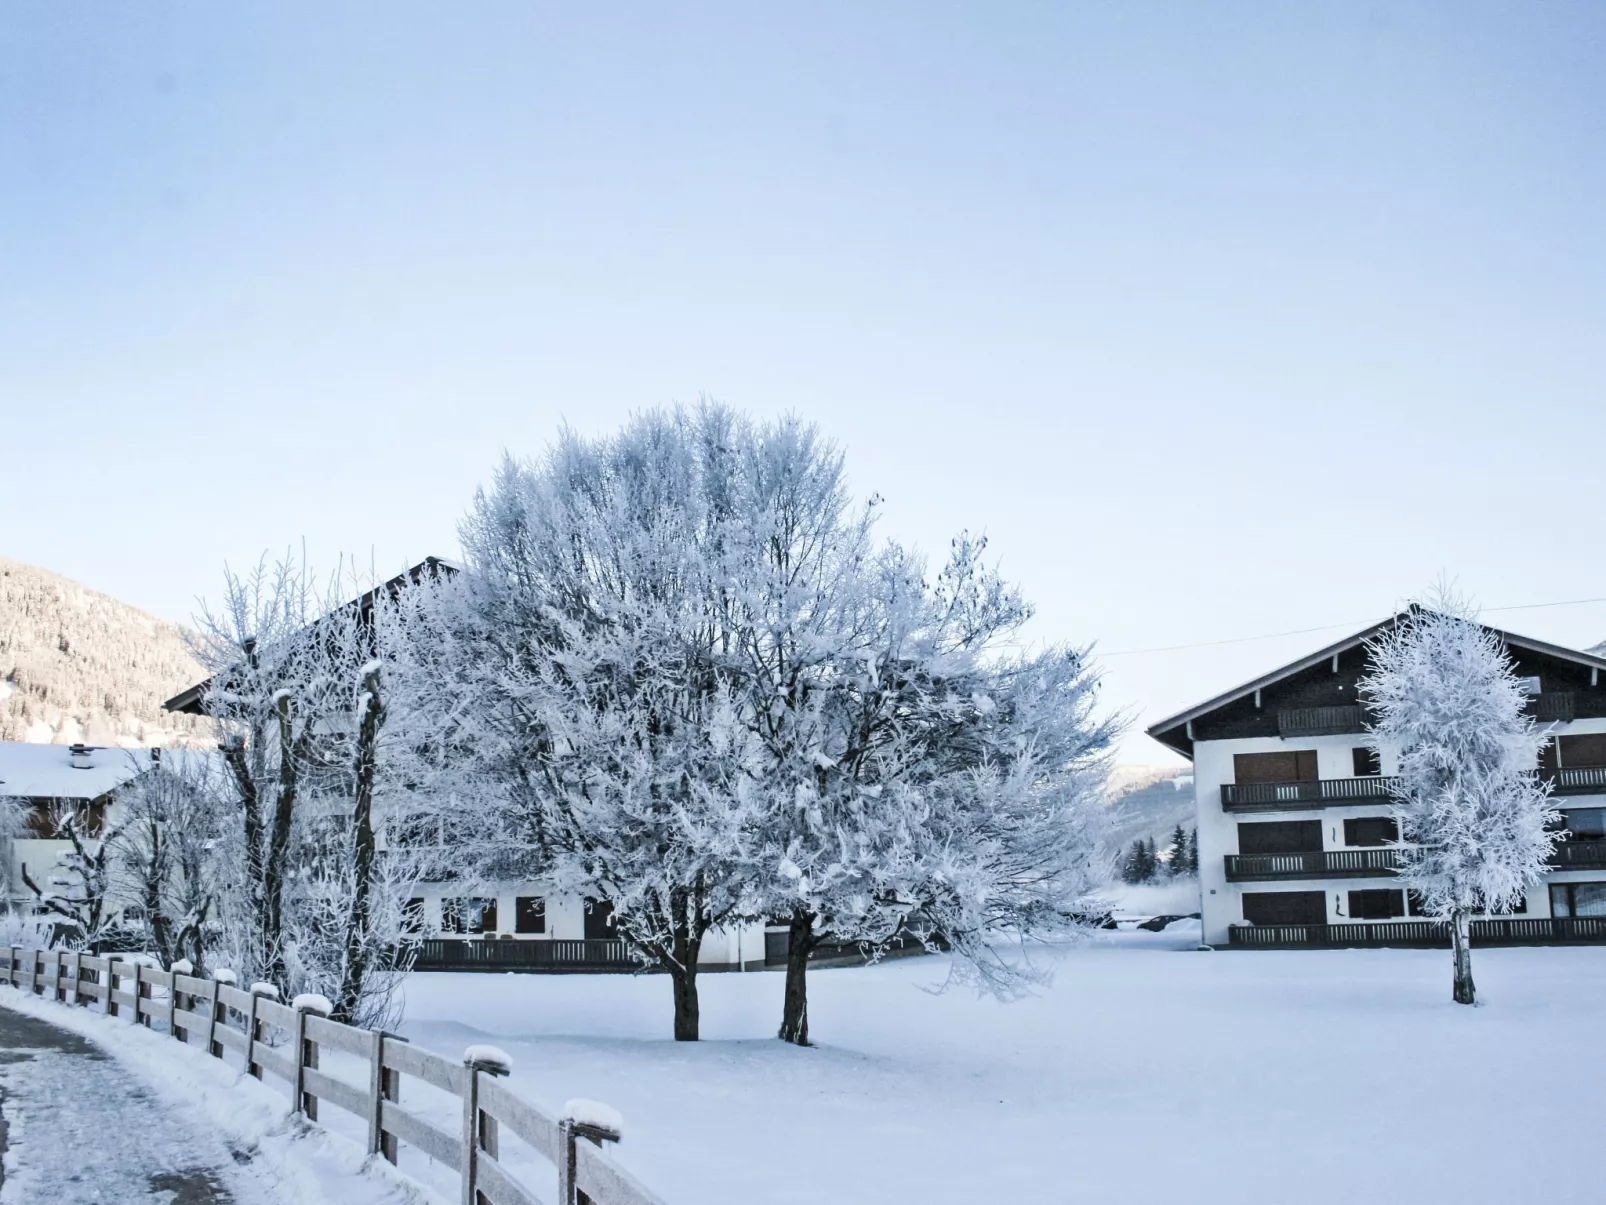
x,y
1147,1072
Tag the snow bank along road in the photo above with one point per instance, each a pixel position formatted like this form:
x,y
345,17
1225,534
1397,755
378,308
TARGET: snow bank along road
x,y
78,1127
96,1109
1148,1074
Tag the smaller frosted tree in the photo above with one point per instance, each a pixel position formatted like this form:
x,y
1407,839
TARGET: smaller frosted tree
x,y
1476,825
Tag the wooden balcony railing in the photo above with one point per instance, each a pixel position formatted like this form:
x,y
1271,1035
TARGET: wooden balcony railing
x,y
1502,930
1579,855
1579,780
1316,864
1558,707
529,954
1321,721
1292,796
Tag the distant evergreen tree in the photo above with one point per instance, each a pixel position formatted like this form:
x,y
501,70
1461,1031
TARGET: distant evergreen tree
x,y
1140,862
1177,853
1193,851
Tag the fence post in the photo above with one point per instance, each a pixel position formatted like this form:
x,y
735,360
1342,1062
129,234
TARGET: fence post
x,y
571,1131
79,999
11,960
479,1129
306,1054
142,991
36,973
252,1034
214,1017
389,1089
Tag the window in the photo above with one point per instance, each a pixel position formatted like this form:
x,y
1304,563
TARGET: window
x,y
412,917
529,914
1285,907
1578,899
468,916
1586,824
1413,906
1378,904
1583,752
1367,763
1294,766
1530,686
1280,837
599,920
1371,830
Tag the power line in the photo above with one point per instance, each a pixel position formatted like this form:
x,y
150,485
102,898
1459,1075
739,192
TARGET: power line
x,y
1326,627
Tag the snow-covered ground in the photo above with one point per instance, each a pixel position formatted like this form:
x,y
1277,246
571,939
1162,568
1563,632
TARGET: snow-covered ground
x,y
1147,1072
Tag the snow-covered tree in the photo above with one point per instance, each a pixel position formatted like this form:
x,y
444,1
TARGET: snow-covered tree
x,y
594,619
163,853
1476,824
304,718
1176,865
78,888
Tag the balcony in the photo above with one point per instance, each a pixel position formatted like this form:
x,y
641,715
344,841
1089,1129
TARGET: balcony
x,y
1579,855
1580,780
538,954
1555,708
1495,931
1315,864
1297,796
1321,721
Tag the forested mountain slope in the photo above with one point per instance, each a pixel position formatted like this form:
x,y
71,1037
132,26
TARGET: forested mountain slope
x,y
77,665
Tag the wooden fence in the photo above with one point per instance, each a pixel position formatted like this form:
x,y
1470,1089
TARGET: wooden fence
x,y
217,1017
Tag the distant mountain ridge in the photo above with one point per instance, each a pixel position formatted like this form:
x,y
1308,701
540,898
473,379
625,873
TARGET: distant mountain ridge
x,y
78,665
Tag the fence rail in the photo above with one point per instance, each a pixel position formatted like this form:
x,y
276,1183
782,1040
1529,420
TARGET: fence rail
x,y
286,1041
1503,930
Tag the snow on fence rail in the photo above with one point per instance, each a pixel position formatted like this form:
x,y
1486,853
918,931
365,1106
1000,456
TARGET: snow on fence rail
x,y
287,1040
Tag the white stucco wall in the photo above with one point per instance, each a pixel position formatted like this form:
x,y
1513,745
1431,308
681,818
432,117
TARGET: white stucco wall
x,y
1222,902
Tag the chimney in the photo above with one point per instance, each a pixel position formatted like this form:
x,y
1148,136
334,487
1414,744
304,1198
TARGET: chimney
x,y
79,756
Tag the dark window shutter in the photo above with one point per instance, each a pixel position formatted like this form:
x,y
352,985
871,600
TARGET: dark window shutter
x,y
1306,771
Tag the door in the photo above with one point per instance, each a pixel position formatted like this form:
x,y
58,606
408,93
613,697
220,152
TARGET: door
x,y
599,920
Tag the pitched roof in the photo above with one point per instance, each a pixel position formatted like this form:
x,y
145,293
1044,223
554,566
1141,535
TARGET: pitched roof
x,y
47,772
1594,659
190,700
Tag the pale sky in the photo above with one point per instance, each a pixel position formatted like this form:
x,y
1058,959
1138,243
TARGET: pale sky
x,y
1219,319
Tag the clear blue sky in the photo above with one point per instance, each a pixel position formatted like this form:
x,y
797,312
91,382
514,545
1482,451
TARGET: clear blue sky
x,y
1220,319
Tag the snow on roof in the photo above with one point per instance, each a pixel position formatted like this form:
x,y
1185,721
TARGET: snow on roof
x,y
46,771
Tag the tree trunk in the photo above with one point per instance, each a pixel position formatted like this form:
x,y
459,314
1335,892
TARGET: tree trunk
x,y
687,1018
273,864
1461,939
795,1009
358,923
686,928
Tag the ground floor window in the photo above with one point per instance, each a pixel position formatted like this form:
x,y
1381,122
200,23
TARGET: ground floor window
x,y
1578,899
529,914
412,918
468,916
1413,905
1376,904
599,920
1285,907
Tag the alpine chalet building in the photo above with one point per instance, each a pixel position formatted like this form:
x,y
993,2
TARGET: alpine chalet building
x,y
1295,832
